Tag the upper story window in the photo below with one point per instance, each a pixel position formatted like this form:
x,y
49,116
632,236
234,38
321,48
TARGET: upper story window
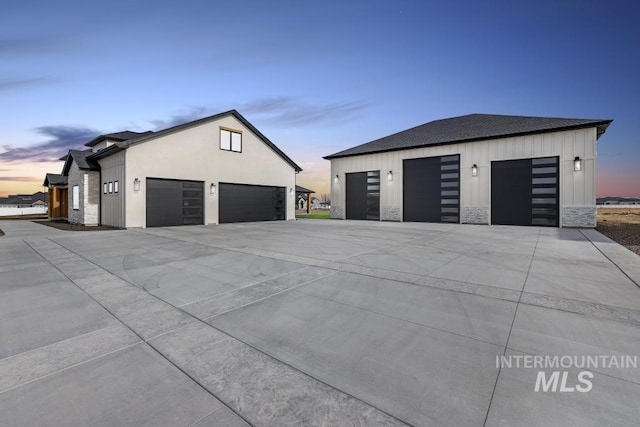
x,y
230,140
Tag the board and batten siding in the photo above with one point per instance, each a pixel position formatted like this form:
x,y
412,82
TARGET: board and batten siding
x,y
577,189
113,205
194,154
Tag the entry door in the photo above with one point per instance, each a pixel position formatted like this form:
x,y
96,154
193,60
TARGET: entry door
x,y
525,192
64,202
363,195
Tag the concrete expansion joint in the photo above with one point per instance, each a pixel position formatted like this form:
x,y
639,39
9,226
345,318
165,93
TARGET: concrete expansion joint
x,y
57,371
513,321
613,261
195,380
148,341
250,285
269,296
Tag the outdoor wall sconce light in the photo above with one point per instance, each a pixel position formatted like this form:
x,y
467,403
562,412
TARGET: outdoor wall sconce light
x,y
335,179
577,164
136,185
390,176
212,190
291,193
474,170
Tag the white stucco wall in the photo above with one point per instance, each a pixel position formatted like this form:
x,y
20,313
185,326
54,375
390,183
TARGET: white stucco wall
x,y
194,154
102,145
577,189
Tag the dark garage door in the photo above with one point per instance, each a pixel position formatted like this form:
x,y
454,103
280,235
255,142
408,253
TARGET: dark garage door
x,y
173,202
244,203
431,189
363,195
525,192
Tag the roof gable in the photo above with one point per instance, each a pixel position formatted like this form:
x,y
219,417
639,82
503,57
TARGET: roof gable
x,y
81,159
54,179
469,128
119,146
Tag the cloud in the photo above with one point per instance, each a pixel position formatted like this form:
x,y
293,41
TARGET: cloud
x,y
282,110
8,84
29,45
60,140
191,114
291,111
20,178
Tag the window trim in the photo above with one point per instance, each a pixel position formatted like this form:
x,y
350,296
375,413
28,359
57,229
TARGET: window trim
x,y
230,142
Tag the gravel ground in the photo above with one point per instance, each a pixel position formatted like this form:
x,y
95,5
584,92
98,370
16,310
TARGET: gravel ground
x,y
621,225
628,235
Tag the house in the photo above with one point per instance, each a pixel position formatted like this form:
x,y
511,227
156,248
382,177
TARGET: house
x,y
618,201
25,200
213,170
302,196
477,169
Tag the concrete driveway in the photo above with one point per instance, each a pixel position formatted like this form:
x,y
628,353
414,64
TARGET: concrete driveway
x,y
317,322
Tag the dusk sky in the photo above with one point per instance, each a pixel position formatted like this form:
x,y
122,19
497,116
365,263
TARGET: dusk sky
x,y
314,77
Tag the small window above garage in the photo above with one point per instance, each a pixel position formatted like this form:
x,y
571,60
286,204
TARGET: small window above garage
x,y
230,140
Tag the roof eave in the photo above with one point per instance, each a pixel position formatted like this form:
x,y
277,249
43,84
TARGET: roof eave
x,y
598,125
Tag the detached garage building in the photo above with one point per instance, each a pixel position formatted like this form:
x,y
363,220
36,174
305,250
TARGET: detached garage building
x,y
214,170
477,169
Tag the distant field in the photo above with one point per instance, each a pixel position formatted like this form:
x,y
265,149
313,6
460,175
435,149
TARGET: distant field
x,y
619,215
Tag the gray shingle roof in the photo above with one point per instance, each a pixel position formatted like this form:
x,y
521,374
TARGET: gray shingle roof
x,y
472,127
80,157
300,189
116,136
55,179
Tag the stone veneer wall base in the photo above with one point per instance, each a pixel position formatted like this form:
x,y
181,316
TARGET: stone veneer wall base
x,y
578,216
390,213
336,212
474,215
